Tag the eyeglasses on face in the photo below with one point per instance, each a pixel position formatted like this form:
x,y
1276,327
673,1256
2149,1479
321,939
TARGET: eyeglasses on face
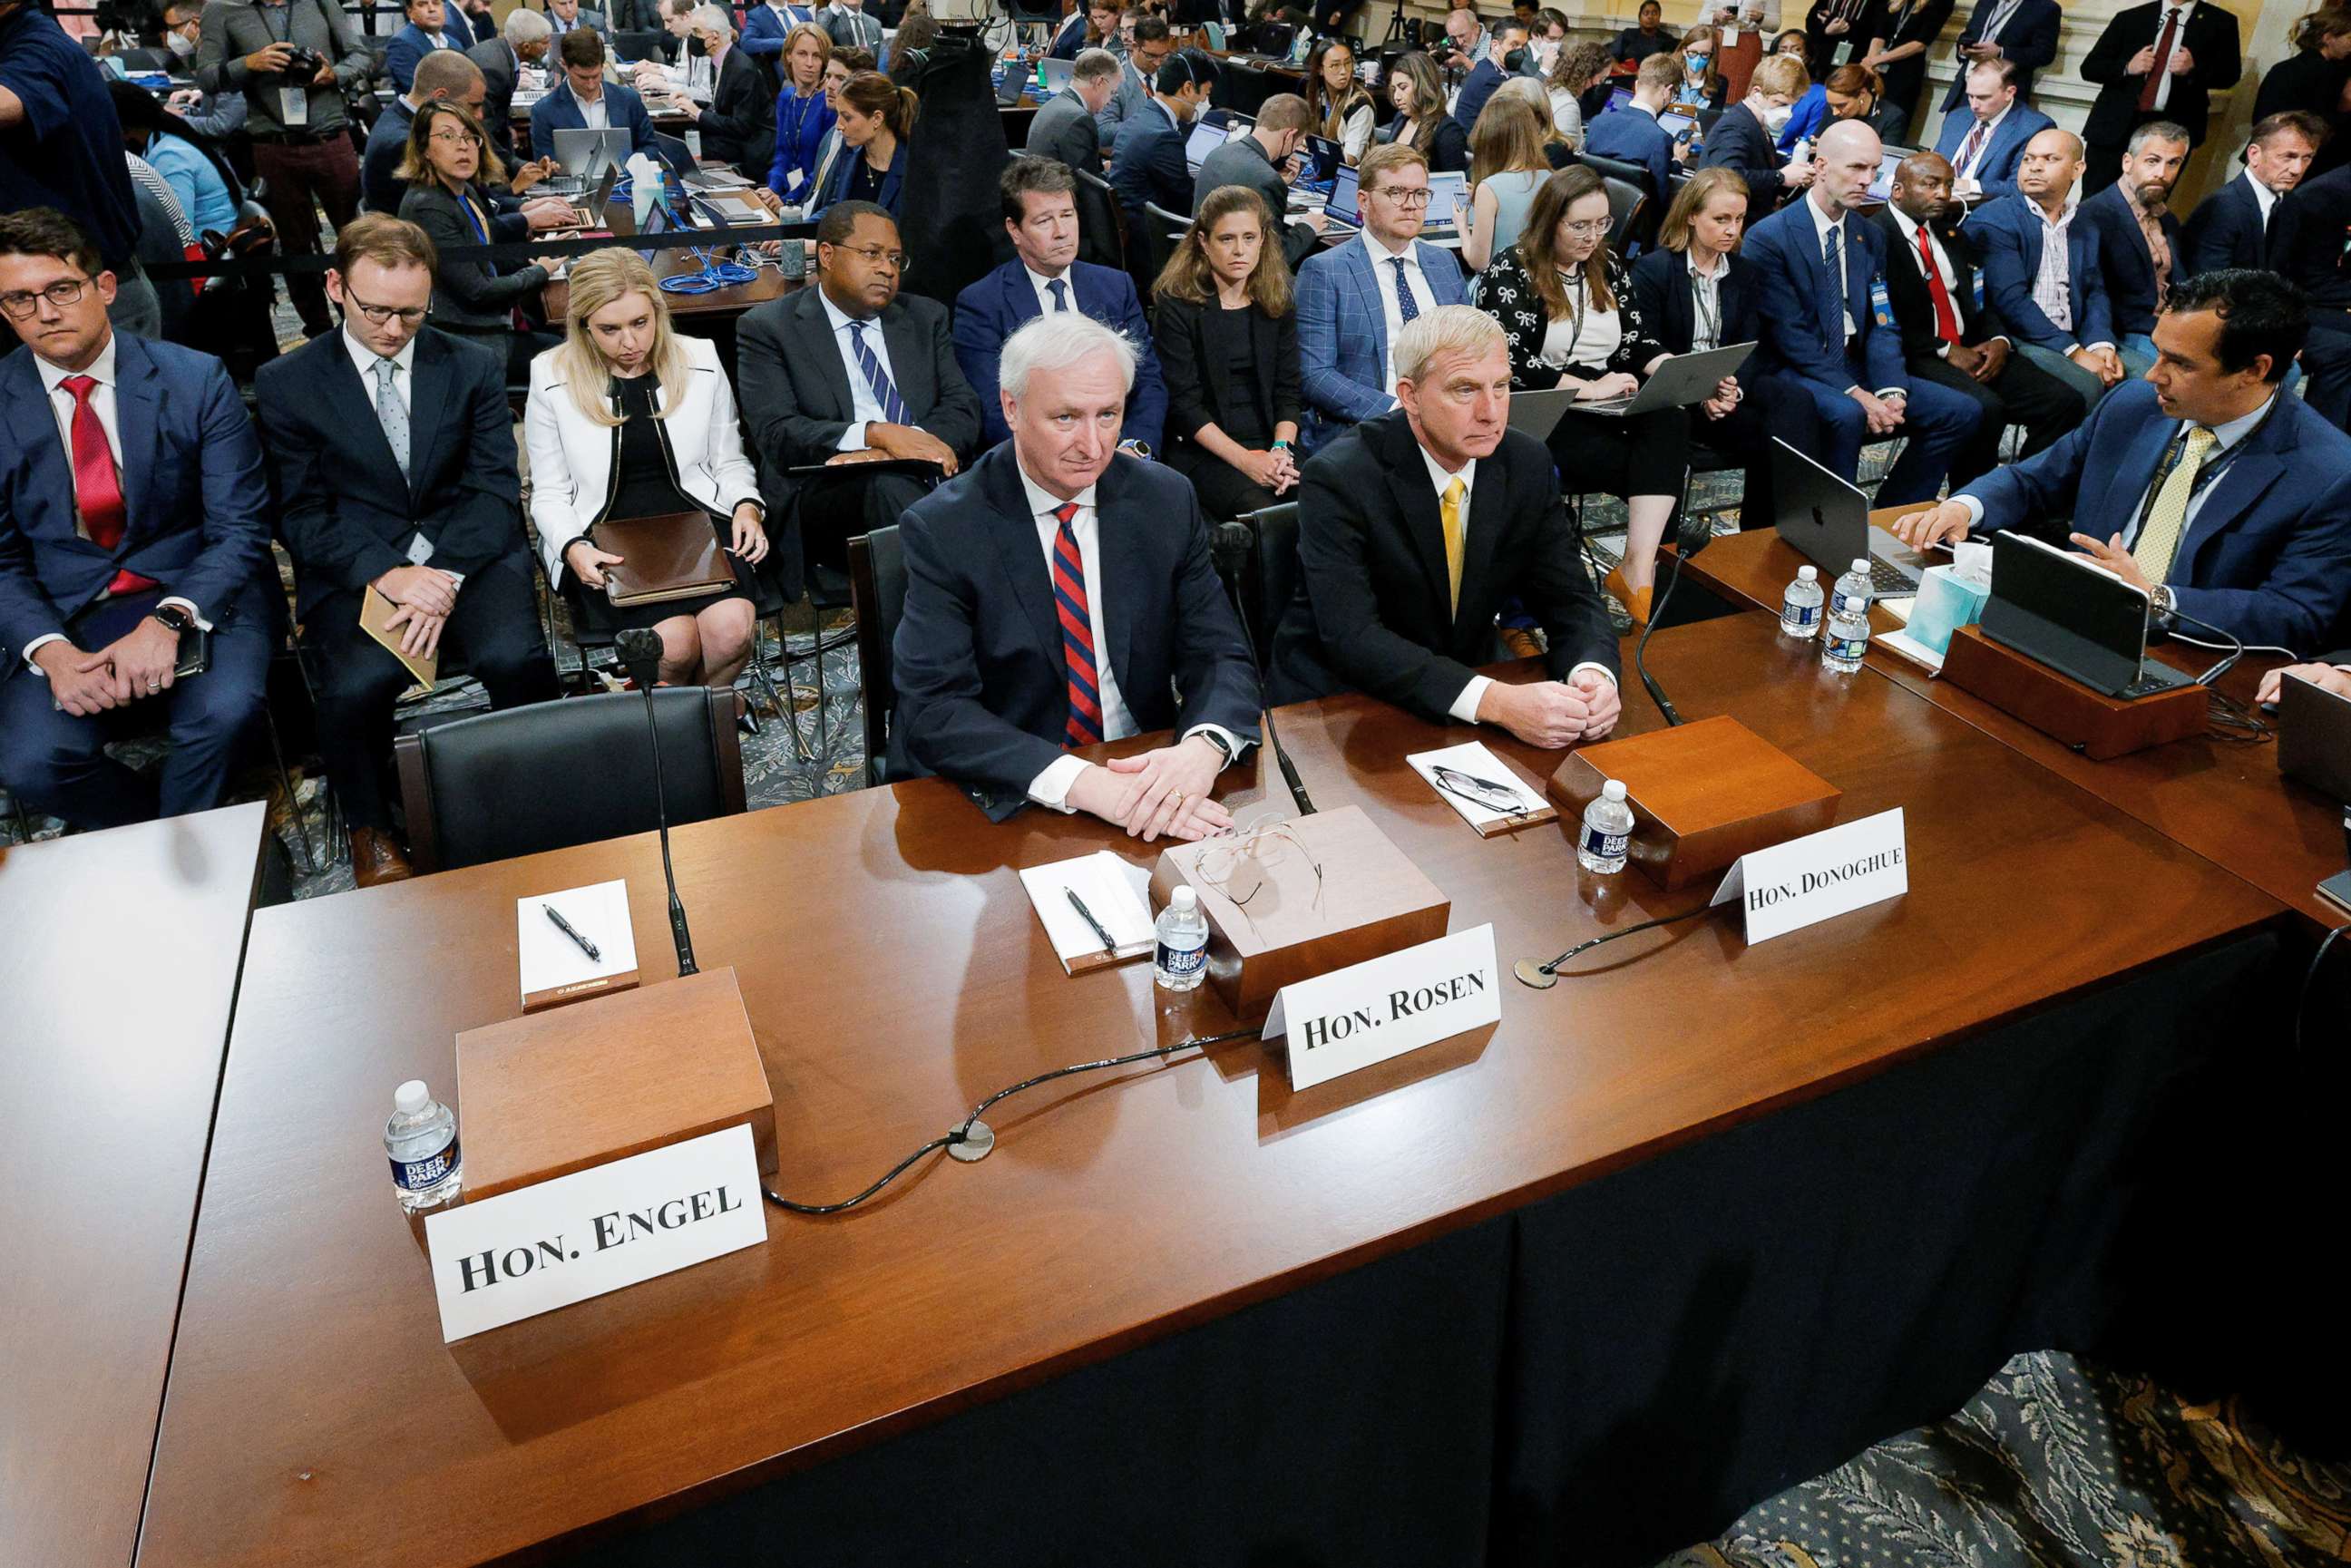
x,y
455,136
875,255
1588,228
383,315
1403,195
21,303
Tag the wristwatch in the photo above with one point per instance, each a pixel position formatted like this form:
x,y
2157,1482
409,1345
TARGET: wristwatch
x,y
173,617
1218,741
2161,599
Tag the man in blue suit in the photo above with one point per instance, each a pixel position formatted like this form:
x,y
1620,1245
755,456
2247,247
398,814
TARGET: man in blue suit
x,y
133,511
1820,268
2205,484
1045,276
2041,269
1354,298
1985,144
1632,133
2137,239
2237,226
1150,166
429,28
583,97
1132,101
1510,36
2022,32
764,28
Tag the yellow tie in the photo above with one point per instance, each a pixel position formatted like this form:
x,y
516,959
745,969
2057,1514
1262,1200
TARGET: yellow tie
x,y
1452,513
2160,541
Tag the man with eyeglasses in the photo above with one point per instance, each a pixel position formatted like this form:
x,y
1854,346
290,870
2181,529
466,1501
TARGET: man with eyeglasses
x,y
134,545
1151,166
393,454
846,374
1353,299
1152,46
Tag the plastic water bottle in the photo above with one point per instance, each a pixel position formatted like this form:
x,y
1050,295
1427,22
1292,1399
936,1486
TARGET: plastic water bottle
x,y
1853,590
1799,607
1181,959
1607,829
421,1141
1848,634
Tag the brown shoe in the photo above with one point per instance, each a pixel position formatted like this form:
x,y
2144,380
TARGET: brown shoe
x,y
376,857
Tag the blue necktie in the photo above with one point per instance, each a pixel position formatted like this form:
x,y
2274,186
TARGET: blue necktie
x,y
1407,308
894,407
1833,257
1060,292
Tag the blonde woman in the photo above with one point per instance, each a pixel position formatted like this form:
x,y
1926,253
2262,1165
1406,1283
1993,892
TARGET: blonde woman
x,y
1507,163
629,419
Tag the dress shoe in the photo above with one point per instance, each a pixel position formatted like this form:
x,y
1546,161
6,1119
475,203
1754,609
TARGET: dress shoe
x,y
376,857
1636,600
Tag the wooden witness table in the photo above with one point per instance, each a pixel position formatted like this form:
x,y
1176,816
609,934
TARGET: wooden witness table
x,y
119,976
2222,798
894,975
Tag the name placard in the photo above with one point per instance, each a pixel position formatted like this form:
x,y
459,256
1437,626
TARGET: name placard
x,y
1368,1012
501,1260
1805,880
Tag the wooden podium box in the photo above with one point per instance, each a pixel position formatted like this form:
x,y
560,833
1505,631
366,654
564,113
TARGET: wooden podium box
x,y
2098,727
552,1093
1370,901
1702,793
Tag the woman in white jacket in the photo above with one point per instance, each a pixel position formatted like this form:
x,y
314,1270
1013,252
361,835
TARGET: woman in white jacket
x,y
629,419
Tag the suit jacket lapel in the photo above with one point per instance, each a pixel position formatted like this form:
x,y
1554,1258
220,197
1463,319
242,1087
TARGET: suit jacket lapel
x,y
1360,264
1124,586
1488,515
355,411
1020,301
429,384
136,391
1424,523
2238,486
1015,533
2127,487
818,346
910,361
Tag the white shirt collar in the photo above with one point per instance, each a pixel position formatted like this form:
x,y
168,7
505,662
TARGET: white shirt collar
x,y
1645,108
2072,200
2236,430
839,318
1439,477
1822,222
101,370
1993,123
1381,255
363,358
1722,266
1042,285
2263,197
1042,501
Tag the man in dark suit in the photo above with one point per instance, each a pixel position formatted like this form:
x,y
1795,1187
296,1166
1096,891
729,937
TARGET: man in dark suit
x,y
1091,25
1131,101
1045,277
2162,60
1150,166
133,511
2139,249
1985,144
766,24
571,16
393,454
2307,246
1260,158
2041,269
2022,32
429,28
850,26
1949,338
1064,125
1631,134
1819,264
849,372
2237,226
2205,484
523,40
583,97
1413,530
1745,139
739,125
1508,37
1058,595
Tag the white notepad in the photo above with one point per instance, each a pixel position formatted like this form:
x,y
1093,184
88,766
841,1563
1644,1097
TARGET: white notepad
x,y
553,968
1116,891
1473,759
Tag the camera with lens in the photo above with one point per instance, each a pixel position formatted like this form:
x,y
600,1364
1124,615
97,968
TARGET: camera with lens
x,y
302,65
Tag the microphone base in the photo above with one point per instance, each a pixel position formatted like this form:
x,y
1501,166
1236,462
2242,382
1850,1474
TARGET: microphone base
x,y
978,1142
1530,973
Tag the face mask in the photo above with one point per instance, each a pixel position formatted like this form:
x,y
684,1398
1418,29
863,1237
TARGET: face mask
x,y
1547,53
1696,64
1515,61
180,44
1776,119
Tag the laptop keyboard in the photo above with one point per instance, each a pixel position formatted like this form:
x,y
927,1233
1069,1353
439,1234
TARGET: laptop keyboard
x,y
1888,582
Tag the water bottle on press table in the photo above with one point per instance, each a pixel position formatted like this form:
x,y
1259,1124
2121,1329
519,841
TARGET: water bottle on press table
x,y
421,1141
1799,607
1853,590
1607,829
1180,960
1847,638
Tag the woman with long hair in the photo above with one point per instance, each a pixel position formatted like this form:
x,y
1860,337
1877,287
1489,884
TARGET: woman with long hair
x,y
1581,72
1227,341
2312,80
1702,86
1338,106
1417,94
1507,165
803,113
454,180
628,418
1856,92
876,116
1566,302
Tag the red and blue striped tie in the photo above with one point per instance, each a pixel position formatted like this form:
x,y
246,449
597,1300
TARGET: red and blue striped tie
x,y
1085,722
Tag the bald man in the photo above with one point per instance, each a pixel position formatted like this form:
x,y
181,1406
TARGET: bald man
x,y
2041,269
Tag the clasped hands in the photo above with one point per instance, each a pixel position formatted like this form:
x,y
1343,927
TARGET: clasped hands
x,y
1884,414
136,664
424,596
1155,792
1553,714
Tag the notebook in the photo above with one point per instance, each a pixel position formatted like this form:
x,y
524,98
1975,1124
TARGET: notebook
x,y
673,556
375,609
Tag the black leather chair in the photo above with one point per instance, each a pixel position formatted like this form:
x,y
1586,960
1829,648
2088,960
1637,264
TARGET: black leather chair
x,y
877,586
1635,222
1162,231
557,773
1102,222
1261,572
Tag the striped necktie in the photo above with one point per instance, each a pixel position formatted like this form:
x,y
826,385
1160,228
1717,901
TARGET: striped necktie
x,y
1084,725
885,393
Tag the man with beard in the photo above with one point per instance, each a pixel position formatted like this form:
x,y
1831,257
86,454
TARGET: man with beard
x,y
2137,239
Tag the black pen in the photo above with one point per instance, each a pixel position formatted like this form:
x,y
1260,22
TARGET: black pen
x,y
565,926
1079,905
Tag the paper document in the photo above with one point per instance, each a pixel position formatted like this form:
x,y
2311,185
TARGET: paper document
x,y
1115,891
1473,759
552,962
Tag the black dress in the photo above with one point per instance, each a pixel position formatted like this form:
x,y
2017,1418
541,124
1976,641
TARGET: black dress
x,y
645,485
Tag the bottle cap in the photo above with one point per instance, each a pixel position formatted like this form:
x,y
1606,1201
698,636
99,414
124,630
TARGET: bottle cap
x,y
1614,790
1861,565
1808,574
1184,899
411,1097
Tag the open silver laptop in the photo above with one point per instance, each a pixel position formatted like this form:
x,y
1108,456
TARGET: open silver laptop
x,y
584,152
1681,381
1827,521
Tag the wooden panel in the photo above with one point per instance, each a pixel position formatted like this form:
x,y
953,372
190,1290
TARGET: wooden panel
x,y
117,974
2099,726
894,975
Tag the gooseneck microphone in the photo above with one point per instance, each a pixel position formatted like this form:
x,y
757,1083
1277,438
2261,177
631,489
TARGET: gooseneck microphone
x,y
1230,544
1641,648
640,651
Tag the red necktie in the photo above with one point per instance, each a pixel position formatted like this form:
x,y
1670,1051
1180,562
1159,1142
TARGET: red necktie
x,y
98,491
1084,726
2162,59
1946,321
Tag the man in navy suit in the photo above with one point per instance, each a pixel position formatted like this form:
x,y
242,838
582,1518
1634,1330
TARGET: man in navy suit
x,y
583,97
1508,34
1985,144
393,455
2138,250
2237,226
1150,166
2227,499
1353,298
1114,623
429,28
1632,134
2022,32
1820,267
1045,276
1745,139
132,512
2041,269
766,25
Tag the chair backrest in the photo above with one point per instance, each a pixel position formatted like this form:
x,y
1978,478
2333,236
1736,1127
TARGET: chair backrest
x,y
1627,215
1640,223
1277,569
554,774
1102,222
877,587
1162,232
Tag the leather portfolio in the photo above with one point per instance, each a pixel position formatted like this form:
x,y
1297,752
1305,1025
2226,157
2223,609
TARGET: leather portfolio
x,y
673,556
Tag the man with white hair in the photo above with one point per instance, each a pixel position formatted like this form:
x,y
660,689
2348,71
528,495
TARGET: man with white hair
x,y
1060,594
739,125
522,41
1379,612
1065,126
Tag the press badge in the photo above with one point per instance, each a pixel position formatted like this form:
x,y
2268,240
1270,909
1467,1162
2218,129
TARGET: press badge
x,y
1978,289
294,106
1880,307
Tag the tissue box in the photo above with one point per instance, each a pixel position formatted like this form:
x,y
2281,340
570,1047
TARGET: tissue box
x,y
1947,602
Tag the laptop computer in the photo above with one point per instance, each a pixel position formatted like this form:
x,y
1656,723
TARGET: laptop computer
x,y
1057,73
1618,97
1828,522
2074,616
1681,381
1677,124
1447,194
592,207
2314,737
1538,413
657,222
1205,137
1319,158
584,152
1009,83
1345,206
1881,187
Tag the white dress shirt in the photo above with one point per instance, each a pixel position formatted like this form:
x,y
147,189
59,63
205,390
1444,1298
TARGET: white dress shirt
x,y
1383,278
2264,199
2178,42
864,407
419,549
1912,229
2053,288
1042,285
593,112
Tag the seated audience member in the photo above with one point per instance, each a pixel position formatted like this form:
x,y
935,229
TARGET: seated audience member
x,y
876,116
1791,44
1150,166
1566,305
583,98
768,35
1353,298
851,26
678,448
199,178
1044,277
2041,269
1949,338
1228,340
740,124
1694,293
1506,47
217,115
844,64
454,79
1116,623
393,455
1261,159
1819,265
853,371
429,28
1855,92
134,521
1805,117
569,17
803,115
1377,612
1064,126
1985,146
1088,26
1700,86
1631,134
2262,551
1580,70
2237,226
522,40
1634,44
2136,240
1338,108
1743,140
453,179
1153,43
1507,165
1417,95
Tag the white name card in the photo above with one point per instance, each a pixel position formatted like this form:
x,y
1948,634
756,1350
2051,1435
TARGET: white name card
x,y
500,1259
1805,880
1368,1012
